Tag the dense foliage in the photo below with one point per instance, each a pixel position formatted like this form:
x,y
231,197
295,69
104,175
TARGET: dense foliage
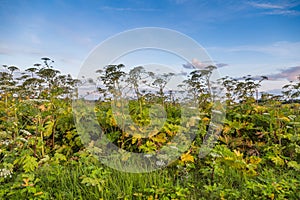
x,y
42,155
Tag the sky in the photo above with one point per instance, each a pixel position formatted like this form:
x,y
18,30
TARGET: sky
x,y
255,37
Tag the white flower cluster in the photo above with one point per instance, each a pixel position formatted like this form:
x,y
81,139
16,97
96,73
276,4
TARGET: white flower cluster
x,y
5,173
160,163
6,142
36,100
23,140
25,132
8,87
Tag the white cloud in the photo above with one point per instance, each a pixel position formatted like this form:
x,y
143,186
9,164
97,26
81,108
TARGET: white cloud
x,y
267,5
284,74
128,9
290,74
179,1
282,49
279,8
273,86
282,12
6,49
198,63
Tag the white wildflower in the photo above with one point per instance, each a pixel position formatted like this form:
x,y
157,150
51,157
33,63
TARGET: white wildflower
x,y
174,147
148,155
217,112
6,142
23,139
160,163
25,132
5,173
36,100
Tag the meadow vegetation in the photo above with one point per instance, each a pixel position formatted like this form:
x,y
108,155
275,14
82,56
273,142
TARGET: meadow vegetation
x,y
43,156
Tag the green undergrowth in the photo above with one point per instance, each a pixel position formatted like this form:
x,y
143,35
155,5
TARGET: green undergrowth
x,y
43,155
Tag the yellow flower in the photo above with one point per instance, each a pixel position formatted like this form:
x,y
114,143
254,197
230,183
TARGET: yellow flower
x,y
38,193
26,182
226,129
238,153
187,158
255,160
205,119
285,119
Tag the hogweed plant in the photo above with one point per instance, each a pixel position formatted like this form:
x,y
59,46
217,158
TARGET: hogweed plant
x,y
42,155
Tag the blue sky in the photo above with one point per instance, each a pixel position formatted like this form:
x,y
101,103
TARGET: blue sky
x,y
257,37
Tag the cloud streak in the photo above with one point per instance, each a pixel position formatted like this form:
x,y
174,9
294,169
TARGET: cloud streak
x,y
13,50
121,9
219,65
285,8
283,12
278,49
290,74
196,64
267,5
